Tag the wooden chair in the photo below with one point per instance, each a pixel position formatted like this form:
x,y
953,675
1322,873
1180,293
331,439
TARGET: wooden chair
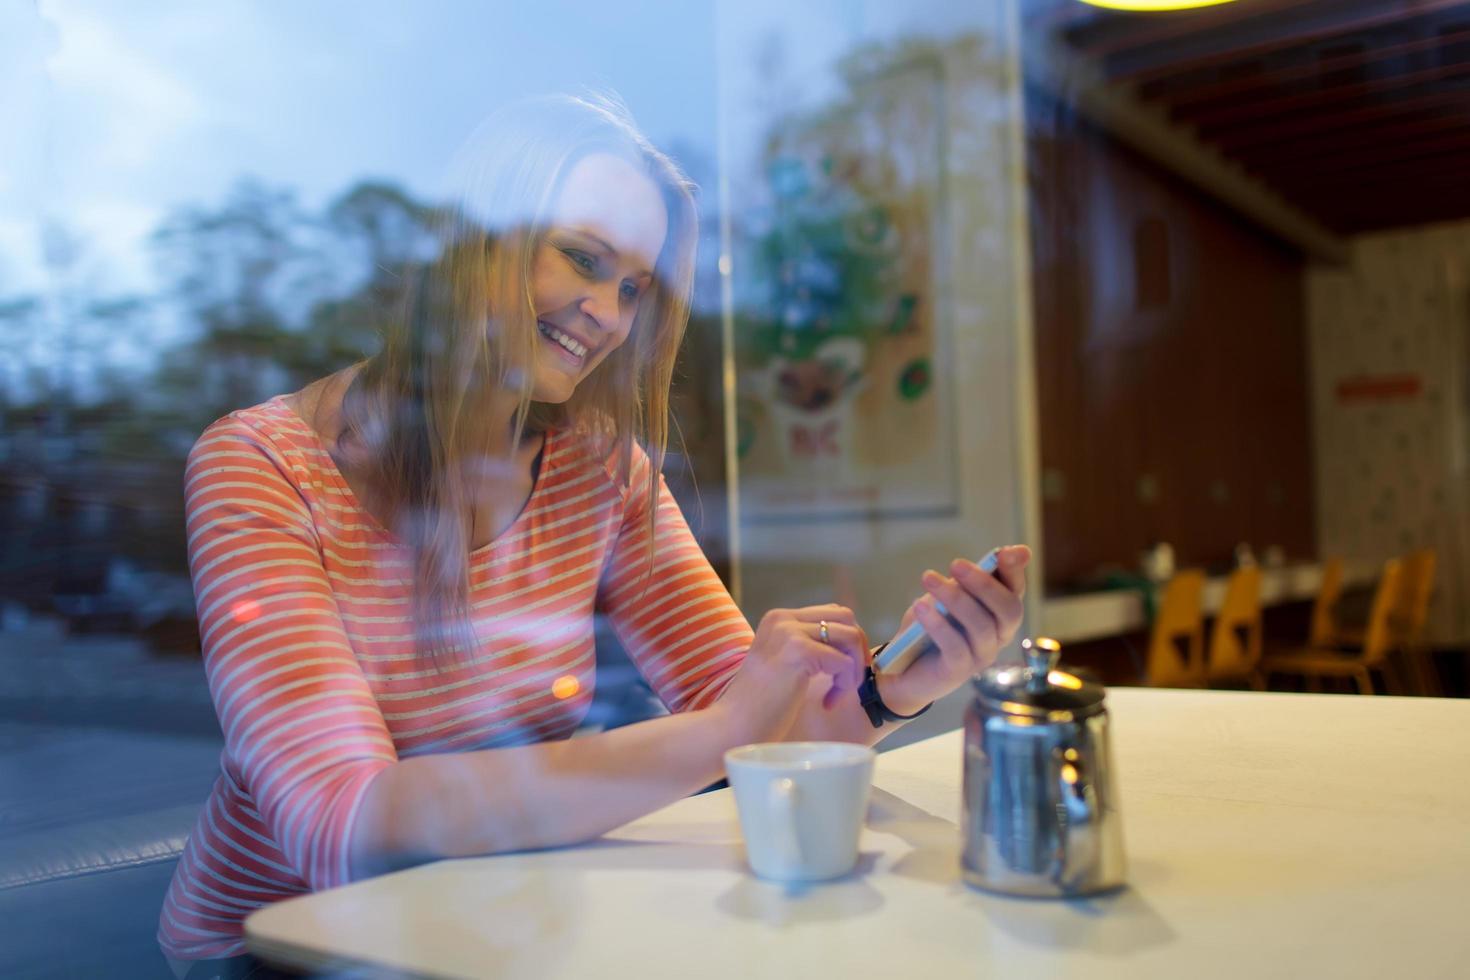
x,y
1324,631
1407,619
1378,641
1412,615
1176,648
1234,654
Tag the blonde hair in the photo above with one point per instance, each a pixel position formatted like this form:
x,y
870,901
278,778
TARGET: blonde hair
x,y
467,331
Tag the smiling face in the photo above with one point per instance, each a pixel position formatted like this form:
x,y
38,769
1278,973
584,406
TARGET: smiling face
x,y
592,268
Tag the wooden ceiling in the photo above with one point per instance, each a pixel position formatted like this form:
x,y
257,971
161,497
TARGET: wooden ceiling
x,y
1355,111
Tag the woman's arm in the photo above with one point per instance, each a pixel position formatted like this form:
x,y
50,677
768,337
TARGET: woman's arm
x,y
543,795
558,793
302,729
666,605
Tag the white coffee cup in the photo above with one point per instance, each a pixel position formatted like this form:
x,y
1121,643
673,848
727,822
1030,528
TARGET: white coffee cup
x,y
802,806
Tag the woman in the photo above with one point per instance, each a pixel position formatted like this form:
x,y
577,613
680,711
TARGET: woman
x,y
397,568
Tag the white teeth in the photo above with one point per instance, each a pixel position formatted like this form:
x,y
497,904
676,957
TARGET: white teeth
x,y
570,343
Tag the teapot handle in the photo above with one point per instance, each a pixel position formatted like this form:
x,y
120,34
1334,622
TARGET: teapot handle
x,y
1077,813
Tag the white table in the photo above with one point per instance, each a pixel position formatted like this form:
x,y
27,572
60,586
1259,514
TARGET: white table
x,y
1270,835
1114,612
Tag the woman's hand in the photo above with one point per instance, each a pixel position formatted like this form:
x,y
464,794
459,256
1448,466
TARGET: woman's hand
x,y
787,654
989,610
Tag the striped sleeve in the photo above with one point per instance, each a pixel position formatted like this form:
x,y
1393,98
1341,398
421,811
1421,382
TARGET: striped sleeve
x,y
675,618
300,722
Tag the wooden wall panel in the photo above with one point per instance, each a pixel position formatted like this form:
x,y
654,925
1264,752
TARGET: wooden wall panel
x,y
1184,421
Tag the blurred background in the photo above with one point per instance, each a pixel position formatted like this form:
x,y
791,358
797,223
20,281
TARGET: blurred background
x,y
1179,297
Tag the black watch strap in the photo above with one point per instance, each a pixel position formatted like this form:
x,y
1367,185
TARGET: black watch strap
x,y
872,702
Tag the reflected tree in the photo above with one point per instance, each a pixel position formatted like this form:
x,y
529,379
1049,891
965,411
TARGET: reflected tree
x,y
22,382
260,296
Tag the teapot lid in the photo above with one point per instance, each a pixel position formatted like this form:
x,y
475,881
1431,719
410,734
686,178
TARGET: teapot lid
x,y
1038,687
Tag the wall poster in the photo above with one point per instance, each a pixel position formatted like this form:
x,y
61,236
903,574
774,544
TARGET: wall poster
x,y
843,337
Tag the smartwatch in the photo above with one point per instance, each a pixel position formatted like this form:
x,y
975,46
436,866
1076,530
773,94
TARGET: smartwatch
x,y
872,702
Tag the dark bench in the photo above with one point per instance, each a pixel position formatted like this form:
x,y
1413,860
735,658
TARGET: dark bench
x,y
92,821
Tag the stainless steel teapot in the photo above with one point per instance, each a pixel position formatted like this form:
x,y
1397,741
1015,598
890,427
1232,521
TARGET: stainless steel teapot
x,y
1041,808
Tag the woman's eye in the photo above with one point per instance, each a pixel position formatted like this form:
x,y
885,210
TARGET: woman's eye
x,y
581,260
631,290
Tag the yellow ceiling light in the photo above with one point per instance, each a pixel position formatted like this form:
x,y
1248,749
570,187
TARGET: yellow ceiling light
x,y
1152,5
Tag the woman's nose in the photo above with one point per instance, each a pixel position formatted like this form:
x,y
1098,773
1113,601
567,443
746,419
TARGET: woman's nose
x,y
601,304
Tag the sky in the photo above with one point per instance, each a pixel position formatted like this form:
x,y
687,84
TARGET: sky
x,y
113,114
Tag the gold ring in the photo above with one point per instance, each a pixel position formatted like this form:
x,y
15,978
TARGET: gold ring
x,y
822,632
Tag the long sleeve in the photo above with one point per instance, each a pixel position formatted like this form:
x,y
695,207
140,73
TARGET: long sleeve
x,y
675,618
301,725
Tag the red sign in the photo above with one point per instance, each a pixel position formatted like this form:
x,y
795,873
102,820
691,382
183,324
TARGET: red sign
x,y
815,440
1379,388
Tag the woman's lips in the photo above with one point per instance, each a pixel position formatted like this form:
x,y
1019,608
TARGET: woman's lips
x,y
547,332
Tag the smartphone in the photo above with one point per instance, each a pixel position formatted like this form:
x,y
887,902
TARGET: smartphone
x,y
913,642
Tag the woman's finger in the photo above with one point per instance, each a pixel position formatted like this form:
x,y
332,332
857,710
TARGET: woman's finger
x,y
995,595
1011,568
981,625
953,646
831,612
829,660
849,639
851,642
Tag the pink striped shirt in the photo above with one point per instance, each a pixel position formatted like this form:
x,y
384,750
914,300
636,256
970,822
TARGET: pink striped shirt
x,y
303,603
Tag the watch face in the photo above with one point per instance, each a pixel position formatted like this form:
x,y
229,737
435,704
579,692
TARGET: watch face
x,y
869,699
